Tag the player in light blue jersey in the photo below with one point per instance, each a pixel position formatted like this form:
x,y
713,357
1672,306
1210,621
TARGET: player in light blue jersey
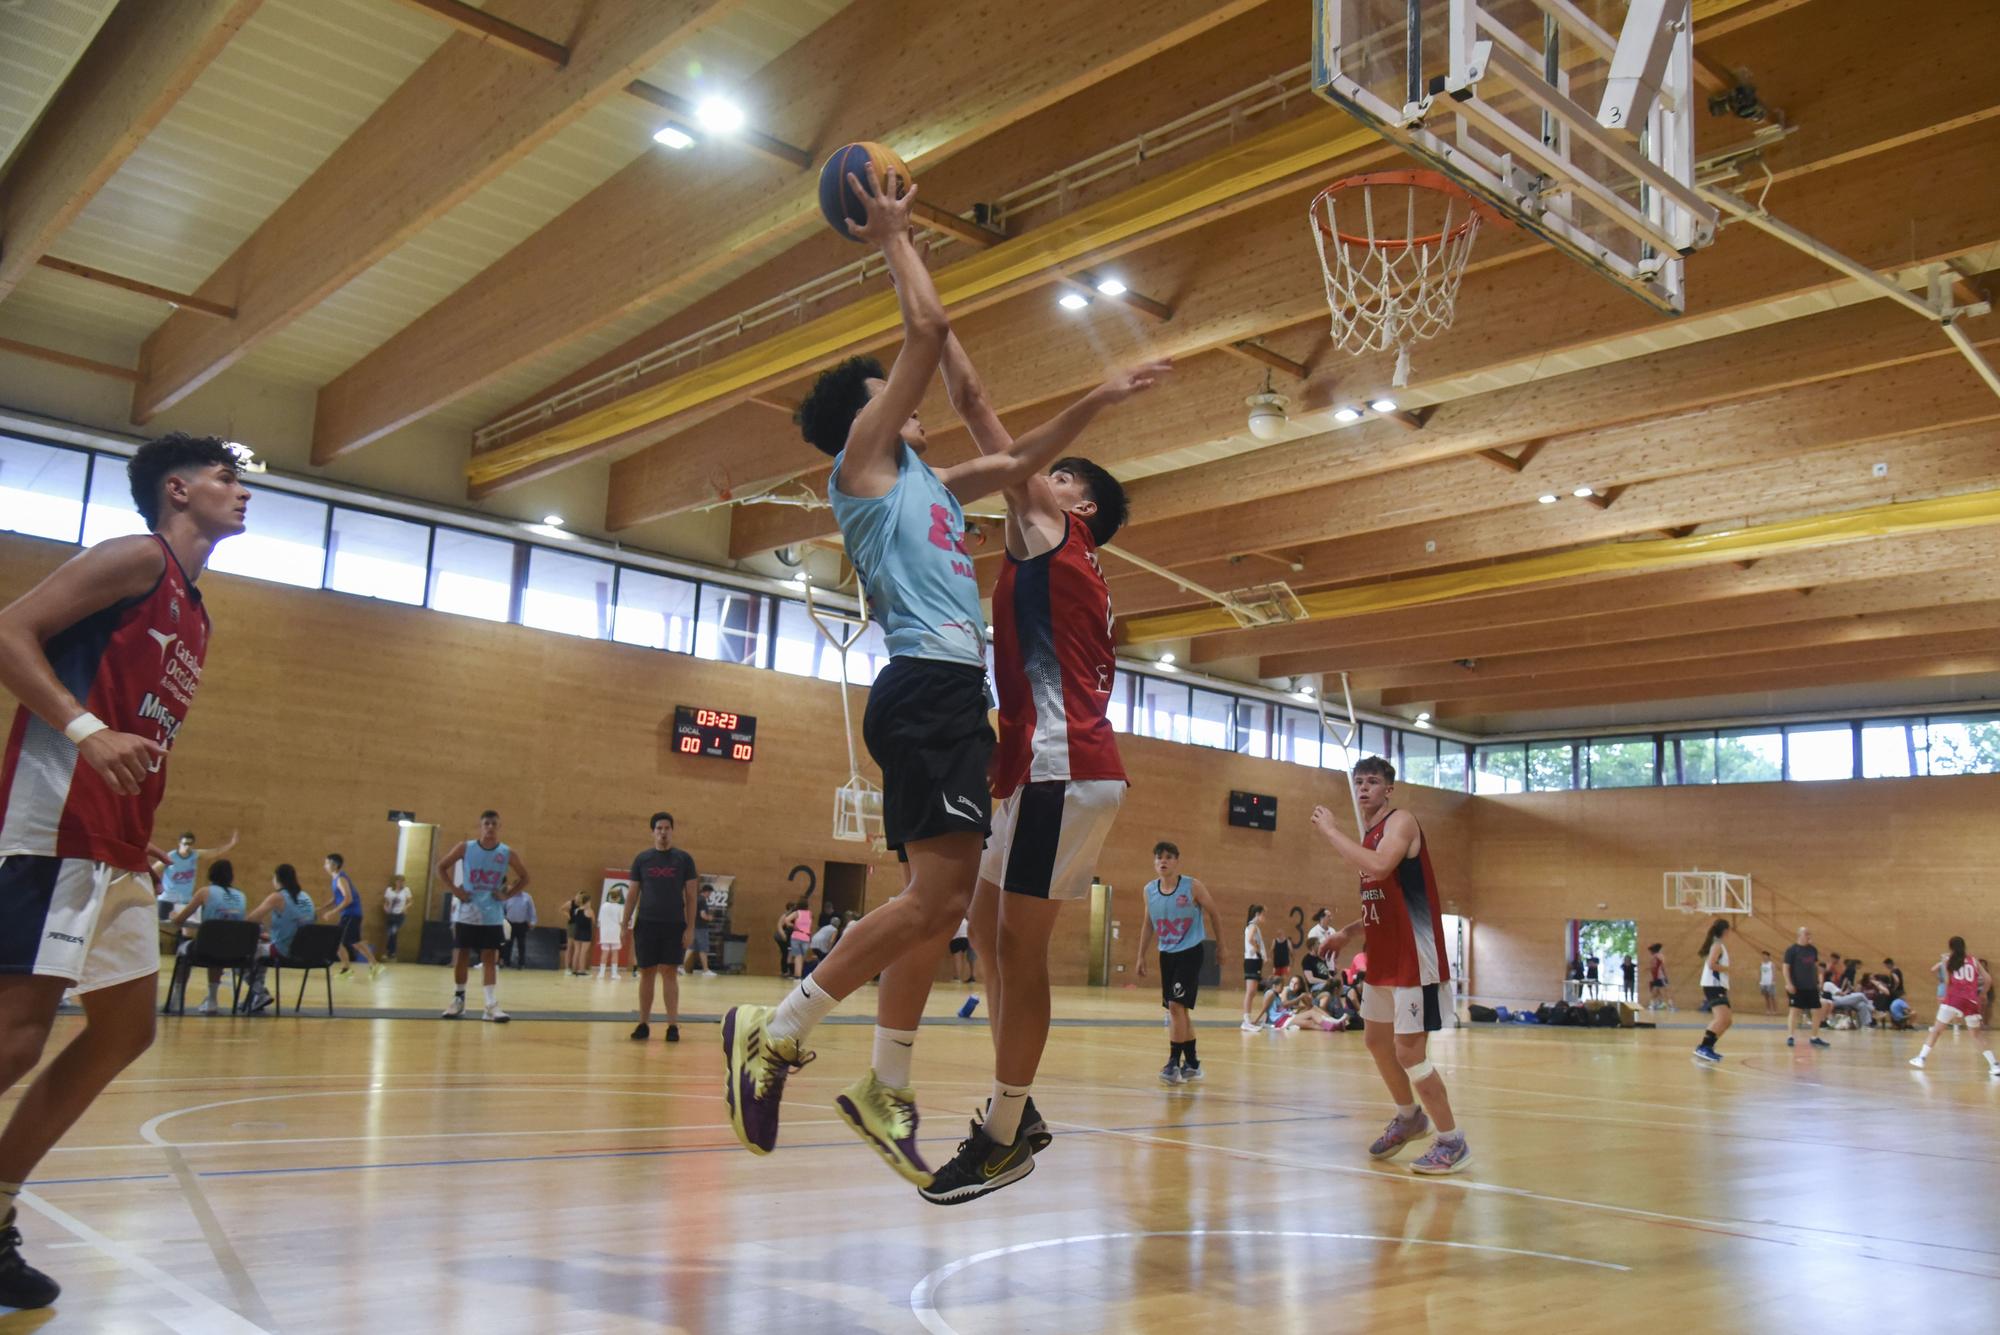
x,y
1180,915
477,916
217,901
926,727
177,870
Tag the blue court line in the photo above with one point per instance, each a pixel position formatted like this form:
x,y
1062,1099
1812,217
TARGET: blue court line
x,y
605,1154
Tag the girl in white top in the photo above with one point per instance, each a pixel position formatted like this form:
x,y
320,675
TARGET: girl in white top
x,y
1715,989
611,931
1255,956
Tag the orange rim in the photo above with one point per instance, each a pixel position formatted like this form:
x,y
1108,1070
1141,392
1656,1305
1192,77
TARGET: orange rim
x,y
1415,179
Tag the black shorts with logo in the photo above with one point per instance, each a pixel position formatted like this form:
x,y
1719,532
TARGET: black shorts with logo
x,y
1715,996
1180,976
926,727
478,936
1807,998
657,943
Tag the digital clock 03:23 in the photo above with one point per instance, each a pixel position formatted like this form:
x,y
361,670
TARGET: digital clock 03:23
x,y
699,731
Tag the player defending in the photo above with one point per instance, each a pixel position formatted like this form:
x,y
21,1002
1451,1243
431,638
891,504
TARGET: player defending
x,y
177,871
344,905
925,726
1180,915
480,910
104,656
1965,991
1409,977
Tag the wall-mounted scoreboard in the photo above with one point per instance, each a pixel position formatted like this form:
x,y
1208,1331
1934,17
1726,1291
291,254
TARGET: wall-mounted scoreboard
x,y
700,731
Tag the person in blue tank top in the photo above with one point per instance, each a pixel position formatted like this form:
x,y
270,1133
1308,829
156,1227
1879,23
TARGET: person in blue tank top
x,y
177,870
1179,915
926,724
344,906
217,901
481,894
286,909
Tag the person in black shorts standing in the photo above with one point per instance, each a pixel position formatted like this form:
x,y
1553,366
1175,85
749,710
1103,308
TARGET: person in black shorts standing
x,y
1802,984
1181,916
660,918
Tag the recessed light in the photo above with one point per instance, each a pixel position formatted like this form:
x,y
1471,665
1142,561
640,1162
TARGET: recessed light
x,y
1304,693
673,136
1166,658
1547,498
1582,493
719,115
1346,415
550,531
1424,723
1111,287
1168,667
1383,405
1423,716
553,521
1072,301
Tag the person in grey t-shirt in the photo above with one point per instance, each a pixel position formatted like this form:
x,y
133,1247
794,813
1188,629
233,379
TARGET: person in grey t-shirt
x,y
659,917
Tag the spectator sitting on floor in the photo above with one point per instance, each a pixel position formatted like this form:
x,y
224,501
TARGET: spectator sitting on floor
x,y
822,942
1296,1009
1848,1002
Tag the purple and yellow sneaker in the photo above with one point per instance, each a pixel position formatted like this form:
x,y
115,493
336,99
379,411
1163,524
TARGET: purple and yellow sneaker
x,y
1444,1156
886,1118
1400,1132
755,1067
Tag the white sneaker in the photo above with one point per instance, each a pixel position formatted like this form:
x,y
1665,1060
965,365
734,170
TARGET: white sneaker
x,y
495,1015
1251,1026
1917,1062
206,1008
456,1009
708,973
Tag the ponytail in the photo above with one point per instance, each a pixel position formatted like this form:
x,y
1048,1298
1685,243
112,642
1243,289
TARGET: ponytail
x,y
1957,961
1255,909
1715,931
288,880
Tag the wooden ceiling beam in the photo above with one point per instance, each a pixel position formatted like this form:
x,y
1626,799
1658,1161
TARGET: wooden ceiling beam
x,y
486,27
184,300
1254,350
644,234
777,150
133,72
56,357
470,112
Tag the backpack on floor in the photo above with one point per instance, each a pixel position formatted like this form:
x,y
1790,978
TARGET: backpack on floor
x,y
1481,1014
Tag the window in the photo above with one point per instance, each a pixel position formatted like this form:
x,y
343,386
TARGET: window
x,y
1688,758
41,489
656,611
1298,736
1375,741
1451,765
1420,758
1500,769
108,512
1822,751
471,575
731,626
1120,709
1208,725
1551,766
1889,748
1619,762
1162,709
566,593
1749,757
284,541
1253,728
802,650
1962,745
377,557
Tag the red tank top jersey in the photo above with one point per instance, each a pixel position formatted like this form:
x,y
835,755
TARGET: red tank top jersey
x,y
1400,915
1961,988
1053,667
135,665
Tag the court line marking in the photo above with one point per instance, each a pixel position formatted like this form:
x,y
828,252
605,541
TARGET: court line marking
x,y
208,1317
923,1304
250,1143
249,1301
149,1130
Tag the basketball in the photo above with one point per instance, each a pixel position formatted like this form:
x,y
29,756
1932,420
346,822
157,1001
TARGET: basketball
x,y
837,198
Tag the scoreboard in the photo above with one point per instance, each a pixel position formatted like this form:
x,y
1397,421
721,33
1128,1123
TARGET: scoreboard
x,y
700,731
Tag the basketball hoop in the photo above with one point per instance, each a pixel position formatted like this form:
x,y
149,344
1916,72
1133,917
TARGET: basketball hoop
x,y
1392,248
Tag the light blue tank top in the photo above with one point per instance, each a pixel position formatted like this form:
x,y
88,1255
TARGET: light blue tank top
x,y
223,903
292,913
1176,917
179,878
909,547
485,876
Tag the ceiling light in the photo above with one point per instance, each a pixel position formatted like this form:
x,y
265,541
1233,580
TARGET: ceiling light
x,y
1582,492
1072,301
719,114
1267,413
553,521
1304,693
1166,658
1346,415
1168,667
1547,498
1111,287
1423,716
1383,405
673,136
1424,723
550,531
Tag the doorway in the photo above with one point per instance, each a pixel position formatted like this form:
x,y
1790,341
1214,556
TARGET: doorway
x,y
1600,959
846,889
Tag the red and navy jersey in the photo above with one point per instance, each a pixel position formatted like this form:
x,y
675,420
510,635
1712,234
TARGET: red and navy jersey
x,y
135,665
1053,666
1400,915
1961,988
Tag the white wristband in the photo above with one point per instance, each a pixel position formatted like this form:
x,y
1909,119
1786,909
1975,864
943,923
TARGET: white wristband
x,y
84,725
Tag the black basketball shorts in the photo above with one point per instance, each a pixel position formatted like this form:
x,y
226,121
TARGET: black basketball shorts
x,y
477,936
926,727
657,943
1180,976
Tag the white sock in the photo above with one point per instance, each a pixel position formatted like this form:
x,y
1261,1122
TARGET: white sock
x,y
492,995
1003,1114
1926,1051
1406,1110
893,1050
807,1005
1988,1054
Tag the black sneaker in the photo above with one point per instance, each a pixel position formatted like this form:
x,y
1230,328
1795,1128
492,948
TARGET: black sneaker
x,y
1034,1128
979,1167
673,1033
21,1285
641,1032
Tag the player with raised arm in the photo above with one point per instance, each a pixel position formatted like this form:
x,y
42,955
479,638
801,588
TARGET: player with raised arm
x,y
1408,990
477,916
1180,916
925,726
104,656
1967,986
177,870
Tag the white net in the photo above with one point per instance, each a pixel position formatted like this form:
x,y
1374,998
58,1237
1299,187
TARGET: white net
x,y
1392,248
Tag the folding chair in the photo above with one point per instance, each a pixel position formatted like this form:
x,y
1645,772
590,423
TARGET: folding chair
x,y
314,946
223,944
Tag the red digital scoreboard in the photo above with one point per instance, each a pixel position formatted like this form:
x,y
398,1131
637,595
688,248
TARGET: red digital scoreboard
x,y
700,731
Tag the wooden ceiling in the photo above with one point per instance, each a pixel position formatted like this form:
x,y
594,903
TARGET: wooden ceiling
x,y
1786,392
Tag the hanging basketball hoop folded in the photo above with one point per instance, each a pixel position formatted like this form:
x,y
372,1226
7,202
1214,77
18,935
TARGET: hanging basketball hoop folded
x,y
1392,248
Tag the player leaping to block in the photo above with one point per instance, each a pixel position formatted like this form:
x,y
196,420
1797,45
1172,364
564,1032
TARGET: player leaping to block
x,y
925,725
1409,977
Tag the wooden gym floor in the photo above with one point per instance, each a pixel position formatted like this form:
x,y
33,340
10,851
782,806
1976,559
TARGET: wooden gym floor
x,y
301,1175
